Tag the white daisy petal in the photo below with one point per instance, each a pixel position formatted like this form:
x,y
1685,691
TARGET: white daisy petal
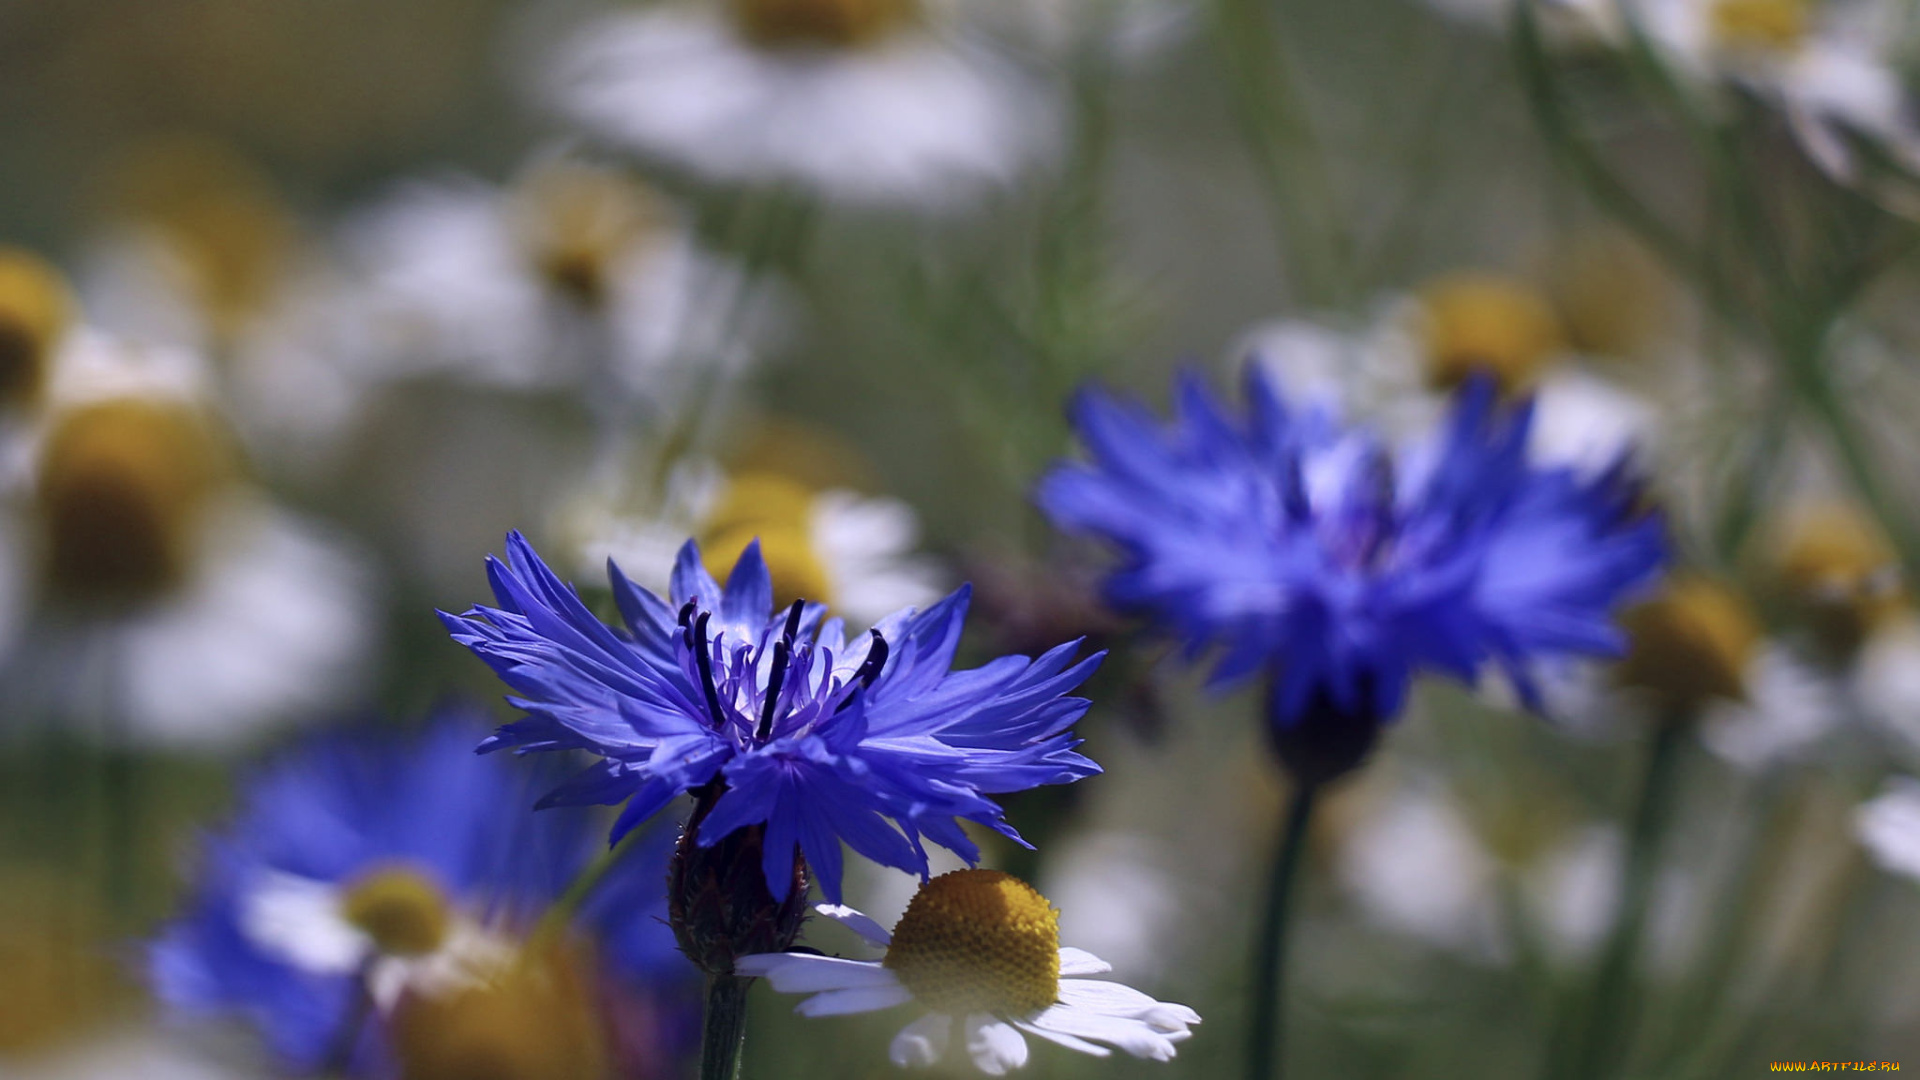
x,y
995,1046
858,1000
1136,1037
806,973
1061,1038
870,931
922,1042
1113,999
1081,962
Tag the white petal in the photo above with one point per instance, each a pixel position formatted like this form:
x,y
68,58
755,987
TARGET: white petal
x,y
994,1045
922,1042
297,921
805,973
870,931
1071,1042
1113,999
1136,1037
858,1000
1889,826
1081,962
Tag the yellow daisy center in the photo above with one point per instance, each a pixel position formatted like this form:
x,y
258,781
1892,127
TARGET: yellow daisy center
x,y
1773,25
576,221
779,512
401,908
834,23
535,1020
1836,566
1482,324
978,941
121,490
1690,643
35,309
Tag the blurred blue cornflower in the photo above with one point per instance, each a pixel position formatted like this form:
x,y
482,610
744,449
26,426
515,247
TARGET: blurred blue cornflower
x,y
817,738
363,872
1308,550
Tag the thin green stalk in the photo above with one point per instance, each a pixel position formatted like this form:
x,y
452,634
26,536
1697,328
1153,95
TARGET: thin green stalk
x,y
1315,245
1602,1045
723,1029
1266,1046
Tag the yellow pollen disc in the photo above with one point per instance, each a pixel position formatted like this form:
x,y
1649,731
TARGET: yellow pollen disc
x,y
836,23
1837,567
779,512
121,489
978,941
535,1020
400,908
575,221
1483,324
220,214
1689,644
1772,25
35,309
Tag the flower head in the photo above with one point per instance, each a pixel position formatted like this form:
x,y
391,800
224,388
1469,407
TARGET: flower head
x,y
399,874
814,737
981,946
1308,549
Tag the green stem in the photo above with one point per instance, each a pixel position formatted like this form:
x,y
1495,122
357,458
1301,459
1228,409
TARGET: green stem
x,y
1266,1023
561,913
723,1029
1608,1029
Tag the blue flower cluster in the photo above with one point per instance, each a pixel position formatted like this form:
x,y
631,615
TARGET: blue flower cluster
x,y
874,741
261,939
1308,550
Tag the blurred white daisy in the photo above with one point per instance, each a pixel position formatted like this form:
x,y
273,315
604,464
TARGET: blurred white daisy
x,y
856,101
980,949
1397,368
159,593
1888,825
1129,31
576,275
1563,23
855,552
1829,65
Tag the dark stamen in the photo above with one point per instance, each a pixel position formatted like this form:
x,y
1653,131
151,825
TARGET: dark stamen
x,y
793,622
704,654
870,667
781,650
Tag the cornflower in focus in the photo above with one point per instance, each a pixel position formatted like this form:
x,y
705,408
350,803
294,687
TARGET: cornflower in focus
x,y
857,101
373,907
982,949
1309,552
777,721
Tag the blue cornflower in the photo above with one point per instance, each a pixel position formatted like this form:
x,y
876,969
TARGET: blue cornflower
x,y
874,741
362,870
1308,550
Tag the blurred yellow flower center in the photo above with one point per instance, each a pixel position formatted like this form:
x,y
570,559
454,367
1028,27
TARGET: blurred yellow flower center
x,y
576,221
1837,566
220,215
978,941
122,486
1689,644
35,309
1613,299
1760,24
400,908
535,1020
1481,324
779,512
837,23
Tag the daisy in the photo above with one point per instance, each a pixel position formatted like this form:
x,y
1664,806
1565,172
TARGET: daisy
x,y
398,872
856,101
575,275
142,559
979,949
1831,66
